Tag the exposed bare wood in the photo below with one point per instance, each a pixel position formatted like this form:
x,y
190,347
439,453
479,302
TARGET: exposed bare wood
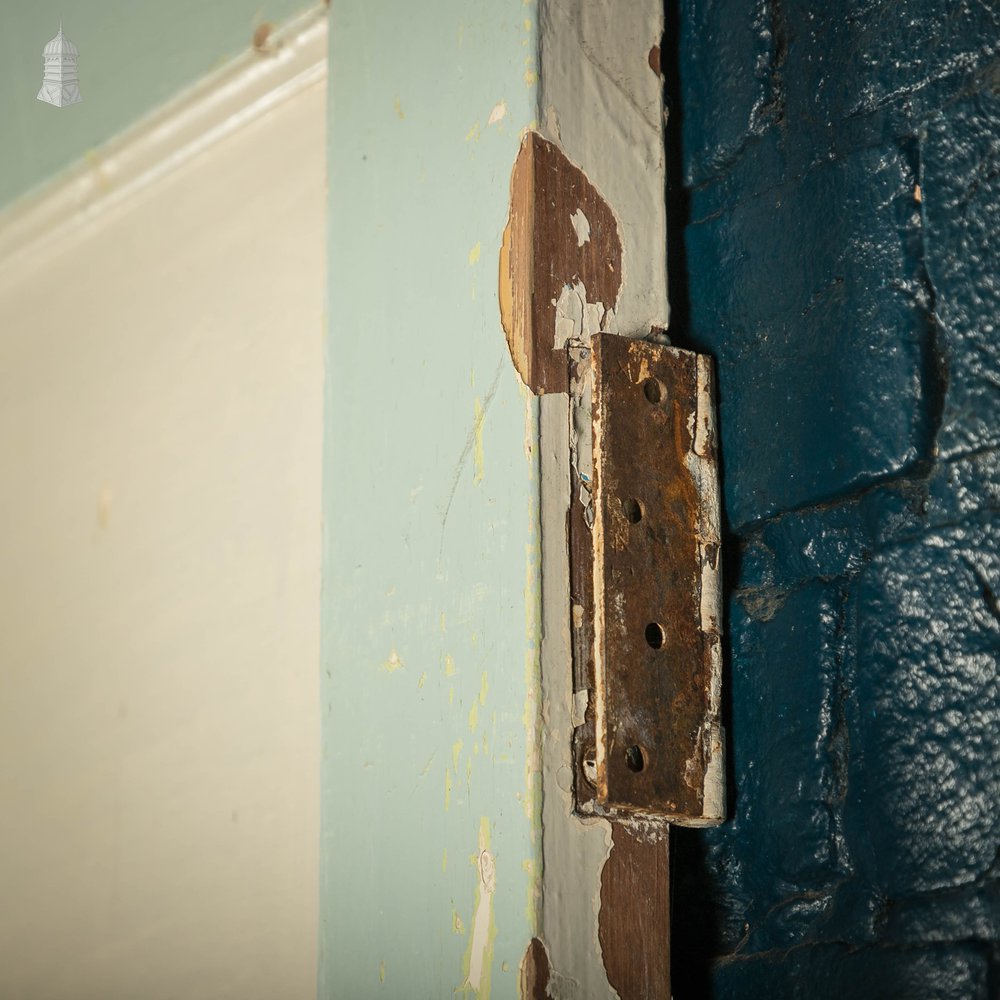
x,y
635,913
560,263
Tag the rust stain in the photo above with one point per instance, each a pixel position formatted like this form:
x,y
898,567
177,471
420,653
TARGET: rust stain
x,y
655,542
542,255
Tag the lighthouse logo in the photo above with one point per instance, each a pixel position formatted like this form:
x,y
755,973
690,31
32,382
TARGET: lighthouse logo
x,y
61,84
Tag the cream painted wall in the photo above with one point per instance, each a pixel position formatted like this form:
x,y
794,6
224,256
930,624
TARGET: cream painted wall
x,y
160,454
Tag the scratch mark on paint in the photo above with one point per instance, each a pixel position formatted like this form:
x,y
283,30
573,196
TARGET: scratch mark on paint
x,y
427,766
499,112
480,416
394,663
478,961
470,443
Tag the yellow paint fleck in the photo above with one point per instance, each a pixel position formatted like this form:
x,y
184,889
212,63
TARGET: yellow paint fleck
x,y
484,688
399,109
478,451
475,749
392,664
530,77
527,24
473,134
468,773
456,752
456,923
427,766
381,971
441,623
475,253
423,680
474,717
449,666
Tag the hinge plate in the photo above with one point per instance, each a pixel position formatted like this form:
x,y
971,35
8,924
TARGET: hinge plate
x,y
656,582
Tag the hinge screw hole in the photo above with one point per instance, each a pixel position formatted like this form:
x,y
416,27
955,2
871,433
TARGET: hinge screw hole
x,y
635,759
632,510
654,390
655,636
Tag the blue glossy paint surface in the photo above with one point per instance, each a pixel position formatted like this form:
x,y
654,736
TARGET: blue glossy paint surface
x,y
841,169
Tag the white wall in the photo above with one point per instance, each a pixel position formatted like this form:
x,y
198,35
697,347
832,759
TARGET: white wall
x,y
160,455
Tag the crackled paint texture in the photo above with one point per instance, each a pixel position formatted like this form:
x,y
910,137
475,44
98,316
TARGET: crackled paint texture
x,y
133,57
430,832
837,252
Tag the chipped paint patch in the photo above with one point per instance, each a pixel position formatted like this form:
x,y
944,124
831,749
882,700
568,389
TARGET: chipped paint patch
x,y
560,263
478,961
498,113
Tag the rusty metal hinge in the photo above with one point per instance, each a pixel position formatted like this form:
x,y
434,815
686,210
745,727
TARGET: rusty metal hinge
x,y
645,582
